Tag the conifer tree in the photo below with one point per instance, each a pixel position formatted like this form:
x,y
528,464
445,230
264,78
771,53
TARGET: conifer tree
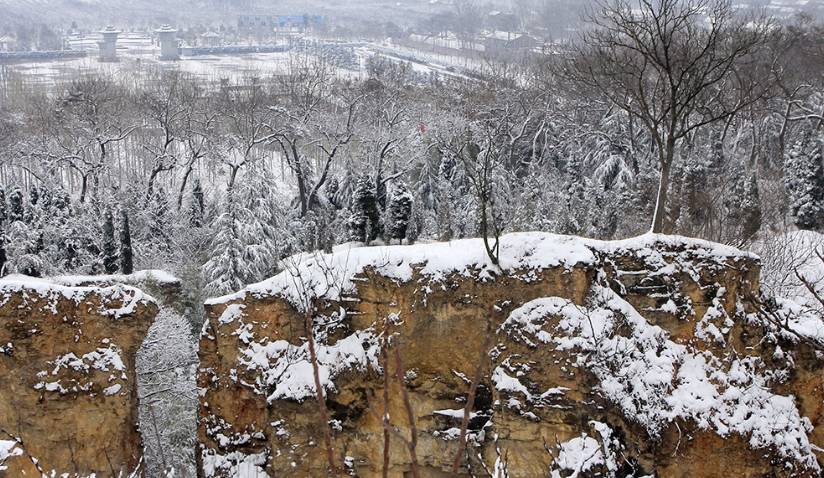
x,y
804,181
364,222
126,261
158,217
16,211
3,210
750,207
332,189
400,212
198,205
2,252
34,195
109,247
224,271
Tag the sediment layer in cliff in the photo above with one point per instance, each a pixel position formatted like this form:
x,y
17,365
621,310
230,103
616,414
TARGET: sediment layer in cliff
x,y
627,358
68,397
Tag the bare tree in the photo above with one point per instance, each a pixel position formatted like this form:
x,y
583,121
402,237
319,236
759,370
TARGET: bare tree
x,y
246,116
313,125
674,65
480,366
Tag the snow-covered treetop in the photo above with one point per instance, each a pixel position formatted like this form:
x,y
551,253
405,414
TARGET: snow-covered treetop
x,y
319,275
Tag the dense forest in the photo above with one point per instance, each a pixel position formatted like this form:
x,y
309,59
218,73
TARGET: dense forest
x,y
159,170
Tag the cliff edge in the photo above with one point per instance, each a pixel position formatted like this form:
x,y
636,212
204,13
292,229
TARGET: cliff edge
x,y
645,357
68,396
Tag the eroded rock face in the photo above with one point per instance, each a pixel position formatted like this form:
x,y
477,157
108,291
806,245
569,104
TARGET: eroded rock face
x,y
633,358
68,398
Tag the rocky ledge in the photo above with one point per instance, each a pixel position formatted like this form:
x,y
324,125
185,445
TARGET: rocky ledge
x,y
654,356
68,397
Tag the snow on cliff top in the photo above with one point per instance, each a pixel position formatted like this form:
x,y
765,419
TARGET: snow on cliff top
x,y
150,275
63,286
331,275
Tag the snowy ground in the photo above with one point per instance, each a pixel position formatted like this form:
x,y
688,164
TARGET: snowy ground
x,y
140,54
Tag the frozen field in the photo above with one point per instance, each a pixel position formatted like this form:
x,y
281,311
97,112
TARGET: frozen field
x,y
232,67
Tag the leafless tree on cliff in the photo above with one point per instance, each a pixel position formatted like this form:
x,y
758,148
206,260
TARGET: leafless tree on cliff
x,y
674,65
480,367
484,147
412,442
390,349
309,288
783,319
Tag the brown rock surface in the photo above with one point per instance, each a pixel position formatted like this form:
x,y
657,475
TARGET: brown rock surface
x,y
68,398
602,324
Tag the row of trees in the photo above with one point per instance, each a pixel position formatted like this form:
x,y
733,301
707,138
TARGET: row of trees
x,y
680,114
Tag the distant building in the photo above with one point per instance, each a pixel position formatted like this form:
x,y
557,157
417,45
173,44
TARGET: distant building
x,y
169,47
270,23
210,39
108,44
7,43
256,23
497,20
499,42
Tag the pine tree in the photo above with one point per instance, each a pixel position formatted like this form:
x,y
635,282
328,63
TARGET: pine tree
x,y
2,252
750,207
364,222
804,181
126,261
109,247
3,210
224,271
22,245
158,218
332,189
16,211
198,205
400,212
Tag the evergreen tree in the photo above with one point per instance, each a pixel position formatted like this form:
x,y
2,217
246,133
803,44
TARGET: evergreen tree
x,y
30,213
364,222
198,205
126,261
157,218
16,211
400,212
3,210
750,207
224,271
21,250
804,181
109,247
2,252
332,188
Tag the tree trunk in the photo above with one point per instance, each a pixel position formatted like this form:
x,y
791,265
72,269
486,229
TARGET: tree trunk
x,y
661,201
232,177
150,186
183,183
319,394
83,187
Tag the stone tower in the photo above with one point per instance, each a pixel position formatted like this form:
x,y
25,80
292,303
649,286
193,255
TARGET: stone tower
x,y
167,36
108,44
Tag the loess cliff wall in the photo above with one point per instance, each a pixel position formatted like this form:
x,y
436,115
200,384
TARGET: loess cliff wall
x,y
644,357
68,397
